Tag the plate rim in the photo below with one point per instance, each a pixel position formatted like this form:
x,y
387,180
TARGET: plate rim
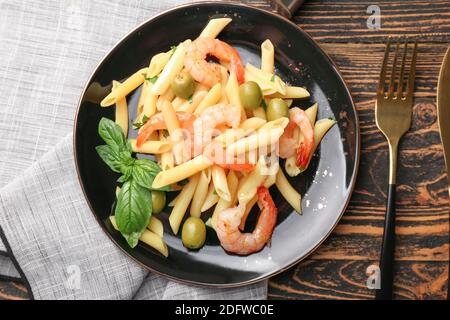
x,y
354,173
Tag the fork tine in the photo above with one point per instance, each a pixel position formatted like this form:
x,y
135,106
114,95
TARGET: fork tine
x,y
394,69
384,67
412,72
402,69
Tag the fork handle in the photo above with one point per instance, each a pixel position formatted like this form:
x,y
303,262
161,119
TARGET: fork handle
x,y
388,249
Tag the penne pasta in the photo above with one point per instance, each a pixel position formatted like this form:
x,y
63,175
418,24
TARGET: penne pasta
x,y
267,57
263,138
320,129
190,106
248,208
214,27
311,113
278,123
149,107
171,69
230,136
288,192
223,204
149,238
151,147
292,93
157,63
290,165
211,198
223,81
170,117
140,105
177,102
232,90
182,203
181,171
200,193
168,96
271,179
121,111
210,99
173,202
260,113
248,186
121,91
155,225
252,123
219,179
268,82
166,157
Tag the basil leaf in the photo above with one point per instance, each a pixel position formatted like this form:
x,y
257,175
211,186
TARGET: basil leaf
x,y
122,179
272,79
112,134
110,157
144,172
133,238
133,211
127,172
190,99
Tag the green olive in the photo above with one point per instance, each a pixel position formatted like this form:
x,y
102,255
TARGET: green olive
x,y
276,109
183,85
193,233
250,95
158,201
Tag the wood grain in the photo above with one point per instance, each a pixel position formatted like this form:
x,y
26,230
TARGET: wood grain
x,y
338,269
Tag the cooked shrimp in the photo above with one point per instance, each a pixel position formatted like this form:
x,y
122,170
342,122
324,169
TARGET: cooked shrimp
x,y
211,118
297,117
288,142
227,226
156,122
216,152
209,73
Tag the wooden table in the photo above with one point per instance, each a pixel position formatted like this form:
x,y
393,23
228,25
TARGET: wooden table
x,y
338,269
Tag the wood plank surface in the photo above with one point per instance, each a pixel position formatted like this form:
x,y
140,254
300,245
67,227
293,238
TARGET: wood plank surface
x,y
337,270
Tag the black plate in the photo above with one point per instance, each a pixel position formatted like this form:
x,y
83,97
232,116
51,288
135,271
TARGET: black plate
x,y
326,185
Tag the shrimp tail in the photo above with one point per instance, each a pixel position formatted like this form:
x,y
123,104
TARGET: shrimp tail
x,y
266,199
143,136
267,203
302,156
237,66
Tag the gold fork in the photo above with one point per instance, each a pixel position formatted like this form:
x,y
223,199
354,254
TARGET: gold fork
x,y
393,111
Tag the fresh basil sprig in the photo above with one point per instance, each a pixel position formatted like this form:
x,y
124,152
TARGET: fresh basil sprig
x,y
134,201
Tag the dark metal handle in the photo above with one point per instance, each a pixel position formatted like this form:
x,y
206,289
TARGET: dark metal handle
x,y
388,249
286,8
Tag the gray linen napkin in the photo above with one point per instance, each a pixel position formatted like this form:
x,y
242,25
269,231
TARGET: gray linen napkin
x,y
50,47
7,268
